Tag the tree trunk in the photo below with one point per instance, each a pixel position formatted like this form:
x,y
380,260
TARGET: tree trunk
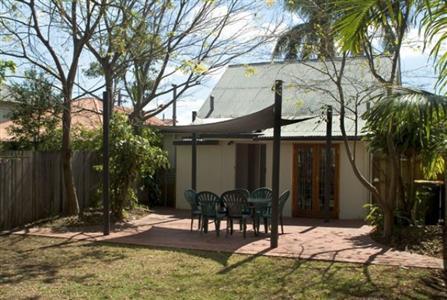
x,y
388,222
70,189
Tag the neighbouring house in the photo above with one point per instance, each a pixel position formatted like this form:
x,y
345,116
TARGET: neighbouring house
x,y
228,162
86,113
6,106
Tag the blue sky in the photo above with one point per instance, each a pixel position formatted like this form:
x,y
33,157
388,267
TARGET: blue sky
x,y
417,69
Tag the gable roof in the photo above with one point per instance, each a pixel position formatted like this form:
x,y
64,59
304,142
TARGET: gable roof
x,y
245,89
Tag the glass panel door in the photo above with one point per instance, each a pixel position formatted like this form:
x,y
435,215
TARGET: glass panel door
x,y
322,179
309,181
305,178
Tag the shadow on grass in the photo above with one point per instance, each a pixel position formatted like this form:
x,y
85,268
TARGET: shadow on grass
x,y
35,258
24,263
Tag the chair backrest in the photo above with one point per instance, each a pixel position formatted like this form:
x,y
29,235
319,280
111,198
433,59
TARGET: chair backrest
x,y
262,193
282,200
209,203
235,202
191,198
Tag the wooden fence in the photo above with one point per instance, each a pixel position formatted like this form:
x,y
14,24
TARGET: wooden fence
x,y
31,185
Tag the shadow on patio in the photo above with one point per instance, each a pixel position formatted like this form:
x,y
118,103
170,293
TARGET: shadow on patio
x,y
338,240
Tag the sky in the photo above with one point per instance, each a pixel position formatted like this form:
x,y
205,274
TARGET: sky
x,y
417,71
417,68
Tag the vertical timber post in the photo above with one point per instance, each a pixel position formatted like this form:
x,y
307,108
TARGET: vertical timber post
x,y
328,167
105,165
276,161
194,157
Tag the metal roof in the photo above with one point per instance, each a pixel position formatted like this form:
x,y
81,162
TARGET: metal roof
x,y
244,89
315,128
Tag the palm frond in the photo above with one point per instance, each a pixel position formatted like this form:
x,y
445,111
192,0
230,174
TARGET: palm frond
x,y
417,122
290,43
434,21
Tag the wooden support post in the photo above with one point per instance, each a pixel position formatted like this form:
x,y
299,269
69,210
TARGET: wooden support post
x,y
194,157
276,162
106,108
328,165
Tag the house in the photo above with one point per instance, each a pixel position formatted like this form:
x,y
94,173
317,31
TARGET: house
x,y
228,162
86,114
6,106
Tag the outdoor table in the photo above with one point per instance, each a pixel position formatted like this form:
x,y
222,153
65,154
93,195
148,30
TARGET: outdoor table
x,y
254,203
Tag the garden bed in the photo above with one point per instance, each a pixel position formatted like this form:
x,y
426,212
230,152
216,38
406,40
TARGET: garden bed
x,y
93,217
425,240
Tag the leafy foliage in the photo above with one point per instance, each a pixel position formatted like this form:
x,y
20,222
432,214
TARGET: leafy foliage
x,y
313,38
360,21
36,113
134,158
374,216
416,121
4,67
434,23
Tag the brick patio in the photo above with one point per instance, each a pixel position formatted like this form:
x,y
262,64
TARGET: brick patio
x,y
342,241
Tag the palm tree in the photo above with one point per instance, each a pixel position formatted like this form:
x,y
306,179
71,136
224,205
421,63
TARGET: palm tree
x,y
415,122
359,25
434,24
313,38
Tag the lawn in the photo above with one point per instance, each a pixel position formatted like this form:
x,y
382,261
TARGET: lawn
x,y
34,267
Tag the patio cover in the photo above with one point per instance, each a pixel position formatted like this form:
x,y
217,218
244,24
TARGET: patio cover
x,y
260,120
269,117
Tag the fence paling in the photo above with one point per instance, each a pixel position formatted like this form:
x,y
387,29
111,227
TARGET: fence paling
x,y
31,185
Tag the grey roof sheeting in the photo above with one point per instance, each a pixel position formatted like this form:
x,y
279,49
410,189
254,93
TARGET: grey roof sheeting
x,y
253,122
316,128
244,89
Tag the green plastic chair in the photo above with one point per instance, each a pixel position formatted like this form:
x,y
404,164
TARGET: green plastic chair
x,y
236,207
210,205
268,213
191,198
262,193
260,208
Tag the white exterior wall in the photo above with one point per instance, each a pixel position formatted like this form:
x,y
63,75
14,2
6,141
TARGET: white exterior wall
x,y
215,169
353,195
216,172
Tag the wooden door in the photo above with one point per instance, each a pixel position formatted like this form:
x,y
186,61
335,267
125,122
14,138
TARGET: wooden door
x,y
308,180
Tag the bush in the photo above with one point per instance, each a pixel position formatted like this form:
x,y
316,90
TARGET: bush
x,y
374,216
134,159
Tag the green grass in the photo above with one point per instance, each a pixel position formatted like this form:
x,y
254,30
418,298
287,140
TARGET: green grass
x,y
33,267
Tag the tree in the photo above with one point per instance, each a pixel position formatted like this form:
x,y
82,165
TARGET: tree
x,y
186,41
417,124
36,113
119,34
133,158
51,35
434,24
313,37
360,26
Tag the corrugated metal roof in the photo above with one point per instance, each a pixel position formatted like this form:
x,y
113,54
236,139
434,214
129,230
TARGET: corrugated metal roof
x,y
317,128
244,89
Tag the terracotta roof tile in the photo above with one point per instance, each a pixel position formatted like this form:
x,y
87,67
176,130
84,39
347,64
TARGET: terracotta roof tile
x,y
86,113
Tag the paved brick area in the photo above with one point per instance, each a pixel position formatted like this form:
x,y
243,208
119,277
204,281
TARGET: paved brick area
x,y
343,241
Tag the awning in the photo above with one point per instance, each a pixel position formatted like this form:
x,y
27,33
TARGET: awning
x,y
260,120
